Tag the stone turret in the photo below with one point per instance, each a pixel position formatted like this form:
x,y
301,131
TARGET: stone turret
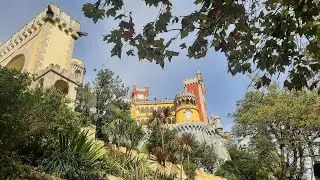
x,y
139,94
217,124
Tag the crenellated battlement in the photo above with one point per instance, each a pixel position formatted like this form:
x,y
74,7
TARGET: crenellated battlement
x,y
141,90
190,81
59,18
78,67
58,70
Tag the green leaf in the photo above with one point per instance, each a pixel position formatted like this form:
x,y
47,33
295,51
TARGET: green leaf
x,y
117,50
152,2
198,2
130,52
184,33
163,21
111,12
183,46
171,53
91,12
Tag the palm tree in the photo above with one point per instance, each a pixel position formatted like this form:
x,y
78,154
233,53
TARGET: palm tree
x,y
186,143
134,133
158,119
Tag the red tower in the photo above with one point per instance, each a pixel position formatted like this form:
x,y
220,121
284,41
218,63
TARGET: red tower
x,y
138,94
196,86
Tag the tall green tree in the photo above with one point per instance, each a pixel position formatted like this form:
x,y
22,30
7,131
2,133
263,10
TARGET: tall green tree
x,y
86,100
100,100
267,37
281,127
110,91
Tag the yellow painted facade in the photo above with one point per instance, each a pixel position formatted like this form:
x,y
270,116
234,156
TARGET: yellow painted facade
x,y
181,113
142,111
182,109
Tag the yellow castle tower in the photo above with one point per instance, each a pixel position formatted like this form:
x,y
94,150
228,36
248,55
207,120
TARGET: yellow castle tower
x,y
186,108
44,47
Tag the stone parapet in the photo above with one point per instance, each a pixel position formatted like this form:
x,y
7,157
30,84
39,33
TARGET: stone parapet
x,y
190,81
164,101
70,76
204,134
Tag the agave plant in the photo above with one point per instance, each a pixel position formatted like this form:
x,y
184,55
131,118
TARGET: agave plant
x,y
159,163
79,159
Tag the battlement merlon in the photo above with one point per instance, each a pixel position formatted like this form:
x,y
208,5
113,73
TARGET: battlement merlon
x,y
190,81
63,20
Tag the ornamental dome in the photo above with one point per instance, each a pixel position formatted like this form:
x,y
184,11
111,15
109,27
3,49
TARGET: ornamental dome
x,y
77,62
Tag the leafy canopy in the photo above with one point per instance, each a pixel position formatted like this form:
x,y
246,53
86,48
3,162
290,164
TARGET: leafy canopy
x,y
281,127
268,37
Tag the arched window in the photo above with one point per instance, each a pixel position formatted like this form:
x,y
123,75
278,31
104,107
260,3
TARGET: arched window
x,y
62,86
187,101
172,108
142,110
77,75
17,63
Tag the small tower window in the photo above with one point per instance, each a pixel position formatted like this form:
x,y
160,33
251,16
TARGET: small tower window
x,y
78,75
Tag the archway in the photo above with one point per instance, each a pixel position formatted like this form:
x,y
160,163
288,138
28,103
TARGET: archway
x,y
62,86
17,62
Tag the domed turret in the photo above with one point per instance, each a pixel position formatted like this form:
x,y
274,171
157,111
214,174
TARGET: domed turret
x,y
217,124
77,62
186,107
79,70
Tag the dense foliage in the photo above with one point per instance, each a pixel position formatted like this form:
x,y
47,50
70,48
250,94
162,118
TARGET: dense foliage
x,y
266,37
32,122
281,127
242,166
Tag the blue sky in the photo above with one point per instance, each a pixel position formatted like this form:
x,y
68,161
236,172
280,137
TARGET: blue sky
x,y
223,90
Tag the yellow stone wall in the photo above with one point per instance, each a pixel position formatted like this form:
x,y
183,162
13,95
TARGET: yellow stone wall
x,y
180,113
60,49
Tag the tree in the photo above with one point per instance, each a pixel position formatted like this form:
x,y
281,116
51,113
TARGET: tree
x,y
204,157
242,166
108,93
266,37
122,130
186,143
86,100
281,127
